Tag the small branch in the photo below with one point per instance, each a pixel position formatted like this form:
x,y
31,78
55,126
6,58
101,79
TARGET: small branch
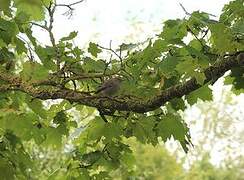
x,y
113,51
103,117
195,36
184,9
39,25
122,68
205,33
30,49
51,10
52,82
189,14
69,6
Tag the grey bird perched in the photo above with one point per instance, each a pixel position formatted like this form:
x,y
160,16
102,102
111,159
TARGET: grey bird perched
x,y
110,87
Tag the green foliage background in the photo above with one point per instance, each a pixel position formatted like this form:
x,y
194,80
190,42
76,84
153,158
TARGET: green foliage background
x,y
48,107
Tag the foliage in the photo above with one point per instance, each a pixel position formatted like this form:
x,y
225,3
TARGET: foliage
x,y
158,81
150,163
203,169
217,125
147,162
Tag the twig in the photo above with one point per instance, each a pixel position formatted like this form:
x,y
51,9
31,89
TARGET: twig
x,y
205,33
184,9
69,6
51,11
103,117
30,49
189,14
39,25
113,51
195,35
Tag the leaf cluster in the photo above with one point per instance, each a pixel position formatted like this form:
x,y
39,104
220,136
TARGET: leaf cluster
x,y
160,78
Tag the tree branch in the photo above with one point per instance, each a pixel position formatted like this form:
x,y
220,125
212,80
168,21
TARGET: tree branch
x,y
70,5
120,103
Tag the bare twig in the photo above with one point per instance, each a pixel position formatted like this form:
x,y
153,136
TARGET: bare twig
x,y
184,9
51,10
69,6
195,36
189,14
39,25
113,51
30,49
205,33
122,68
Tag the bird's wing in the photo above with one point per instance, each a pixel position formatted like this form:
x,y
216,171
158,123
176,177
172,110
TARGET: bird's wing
x,y
103,87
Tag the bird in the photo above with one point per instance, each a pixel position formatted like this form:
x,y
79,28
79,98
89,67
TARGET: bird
x,y
109,87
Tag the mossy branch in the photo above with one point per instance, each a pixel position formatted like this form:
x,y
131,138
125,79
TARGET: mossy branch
x,y
14,83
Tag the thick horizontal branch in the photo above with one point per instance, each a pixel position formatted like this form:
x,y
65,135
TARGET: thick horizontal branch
x,y
120,103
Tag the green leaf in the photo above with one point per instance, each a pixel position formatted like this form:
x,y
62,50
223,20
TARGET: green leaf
x,y
178,104
14,157
32,8
143,130
187,66
238,27
7,168
149,54
5,4
197,21
71,36
6,57
236,79
174,31
204,93
46,55
32,39
116,149
2,43
93,49
225,43
20,124
55,108
20,46
190,68
128,160
91,158
22,20
196,51
160,45
93,132
36,106
34,71
127,47
167,65
112,130
172,125
8,30
53,138
232,11
60,118
91,65
200,77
